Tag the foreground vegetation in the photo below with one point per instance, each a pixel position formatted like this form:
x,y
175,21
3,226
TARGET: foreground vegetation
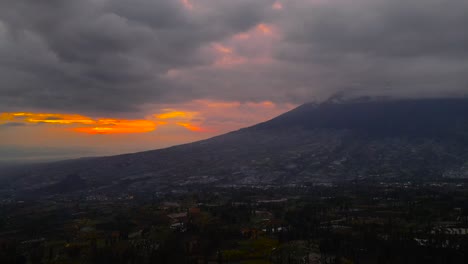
x,y
325,223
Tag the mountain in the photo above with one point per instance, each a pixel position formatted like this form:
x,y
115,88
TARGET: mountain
x,y
424,139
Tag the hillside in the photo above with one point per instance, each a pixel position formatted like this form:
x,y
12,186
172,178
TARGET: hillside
x,y
381,140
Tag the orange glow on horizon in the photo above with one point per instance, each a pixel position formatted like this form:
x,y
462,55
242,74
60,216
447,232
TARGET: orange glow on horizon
x,y
198,116
46,118
92,126
84,124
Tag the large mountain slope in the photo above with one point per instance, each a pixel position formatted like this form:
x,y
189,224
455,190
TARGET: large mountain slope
x,y
410,139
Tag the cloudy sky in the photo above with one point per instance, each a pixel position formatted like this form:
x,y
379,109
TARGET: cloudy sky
x,y
98,77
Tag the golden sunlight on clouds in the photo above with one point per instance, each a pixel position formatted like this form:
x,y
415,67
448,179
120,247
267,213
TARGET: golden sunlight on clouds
x,y
116,126
190,120
171,114
192,127
82,124
45,118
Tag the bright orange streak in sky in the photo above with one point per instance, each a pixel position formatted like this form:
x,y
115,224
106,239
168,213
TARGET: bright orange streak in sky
x,y
175,114
64,119
115,126
93,126
191,127
194,117
183,118
105,125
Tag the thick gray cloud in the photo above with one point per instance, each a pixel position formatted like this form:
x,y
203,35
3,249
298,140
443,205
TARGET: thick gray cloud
x,y
115,55
398,47
106,55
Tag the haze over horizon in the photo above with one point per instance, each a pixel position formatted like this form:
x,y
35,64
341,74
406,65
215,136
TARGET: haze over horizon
x,y
102,77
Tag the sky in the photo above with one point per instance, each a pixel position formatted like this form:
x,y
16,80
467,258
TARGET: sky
x,y
101,77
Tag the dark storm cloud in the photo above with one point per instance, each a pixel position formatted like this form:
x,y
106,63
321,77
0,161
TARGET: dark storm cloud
x,y
114,55
106,55
380,46
384,28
